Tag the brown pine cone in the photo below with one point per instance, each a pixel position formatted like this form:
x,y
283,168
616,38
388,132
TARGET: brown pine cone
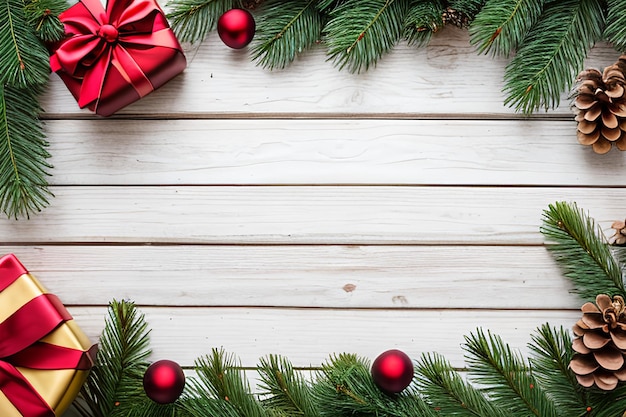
x,y
619,238
600,344
600,102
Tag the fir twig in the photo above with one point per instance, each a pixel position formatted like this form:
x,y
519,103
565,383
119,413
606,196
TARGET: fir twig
x,y
43,16
285,391
469,8
360,32
582,251
23,154
285,29
552,54
423,19
501,25
505,375
116,381
615,31
444,389
192,20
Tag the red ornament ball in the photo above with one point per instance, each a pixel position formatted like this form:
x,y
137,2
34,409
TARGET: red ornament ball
x,y
236,28
164,381
392,371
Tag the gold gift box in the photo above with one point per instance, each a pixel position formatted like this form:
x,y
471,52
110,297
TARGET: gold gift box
x,y
57,387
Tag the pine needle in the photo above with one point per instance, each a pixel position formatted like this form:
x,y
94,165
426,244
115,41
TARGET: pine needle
x,y
360,32
501,25
192,20
23,154
284,30
469,8
552,54
615,31
582,251
23,59
423,20
505,375
43,17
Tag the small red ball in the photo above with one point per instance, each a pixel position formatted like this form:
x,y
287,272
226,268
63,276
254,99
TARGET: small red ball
x,y
164,381
392,371
236,28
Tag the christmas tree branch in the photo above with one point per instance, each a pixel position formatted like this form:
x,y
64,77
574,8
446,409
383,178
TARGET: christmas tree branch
x,y
423,19
582,252
615,31
192,20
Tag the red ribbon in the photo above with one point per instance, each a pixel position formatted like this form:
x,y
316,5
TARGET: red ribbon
x,y
20,346
102,40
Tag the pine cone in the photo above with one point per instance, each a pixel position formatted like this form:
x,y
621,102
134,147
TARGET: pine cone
x,y
601,107
456,18
619,238
601,343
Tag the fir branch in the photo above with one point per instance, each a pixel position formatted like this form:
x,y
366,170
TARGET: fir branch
x,y
552,54
285,391
501,25
192,20
285,29
359,33
615,31
581,251
505,376
43,16
116,380
23,154
423,20
444,388
23,59
552,353
221,389
469,8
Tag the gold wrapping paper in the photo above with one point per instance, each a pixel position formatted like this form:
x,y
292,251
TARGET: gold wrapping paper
x,y
57,387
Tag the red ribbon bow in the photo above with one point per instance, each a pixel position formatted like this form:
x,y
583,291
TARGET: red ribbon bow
x,y
100,40
19,345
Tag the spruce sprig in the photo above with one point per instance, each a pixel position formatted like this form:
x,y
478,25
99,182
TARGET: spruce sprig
x,y
581,250
285,29
192,20
23,167
469,8
116,381
501,25
423,19
43,17
443,388
506,376
552,54
615,31
360,32
285,391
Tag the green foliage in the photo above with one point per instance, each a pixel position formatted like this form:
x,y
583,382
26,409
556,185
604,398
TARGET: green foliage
x,y
469,8
285,29
285,391
43,17
115,384
552,54
360,32
581,251
501,25
444,389
221,389
423,19
23,154
506,376
192,20
23,59
615,31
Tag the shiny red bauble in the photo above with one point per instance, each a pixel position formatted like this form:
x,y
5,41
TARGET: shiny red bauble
x,y
392,371
236,28
164,381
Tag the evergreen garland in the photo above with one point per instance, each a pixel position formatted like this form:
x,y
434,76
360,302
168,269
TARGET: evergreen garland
x,y
500,381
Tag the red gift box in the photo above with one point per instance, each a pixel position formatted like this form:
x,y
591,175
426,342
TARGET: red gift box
x,y
111,58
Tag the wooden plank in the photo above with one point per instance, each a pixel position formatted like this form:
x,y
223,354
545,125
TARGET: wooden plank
x,y
305,215
308,336
391,277
529,152
446,79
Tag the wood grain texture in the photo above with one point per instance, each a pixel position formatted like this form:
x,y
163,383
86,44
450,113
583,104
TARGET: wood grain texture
x,y
446,79
305,215
383,277
437,152
309,336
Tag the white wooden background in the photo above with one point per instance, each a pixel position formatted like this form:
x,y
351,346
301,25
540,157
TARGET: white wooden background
x,y
311,211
